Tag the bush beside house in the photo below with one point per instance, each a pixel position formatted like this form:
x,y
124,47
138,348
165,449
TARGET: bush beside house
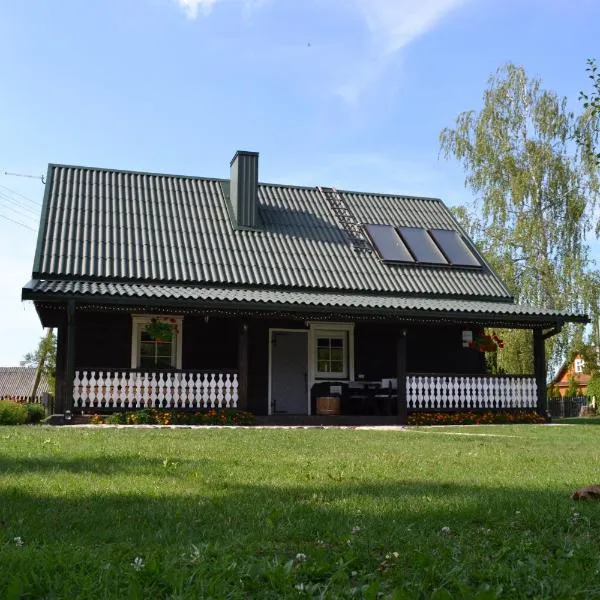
x,y
15,413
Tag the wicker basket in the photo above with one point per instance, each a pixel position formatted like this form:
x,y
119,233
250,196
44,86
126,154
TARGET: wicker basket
x,y
328,405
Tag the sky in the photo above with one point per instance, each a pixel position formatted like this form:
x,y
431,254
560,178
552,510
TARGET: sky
x,y
345,93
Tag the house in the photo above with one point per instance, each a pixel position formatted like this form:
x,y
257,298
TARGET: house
x,y
17,383
572,370
196,292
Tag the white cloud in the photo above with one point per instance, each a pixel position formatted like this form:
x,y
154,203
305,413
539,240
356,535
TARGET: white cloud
x,y
396,23
193,7
393,25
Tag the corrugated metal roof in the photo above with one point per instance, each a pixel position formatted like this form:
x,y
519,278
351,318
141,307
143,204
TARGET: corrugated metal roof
x,y
16,383
290,298
114,225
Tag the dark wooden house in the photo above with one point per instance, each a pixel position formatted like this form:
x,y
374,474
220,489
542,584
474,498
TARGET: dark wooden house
x,y
194,292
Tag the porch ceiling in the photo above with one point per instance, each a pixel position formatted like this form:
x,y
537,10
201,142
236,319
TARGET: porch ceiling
x,y
248,299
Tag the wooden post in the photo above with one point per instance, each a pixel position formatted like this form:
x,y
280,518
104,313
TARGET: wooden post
x,y
41,364
401,375
70,360
61,355
539,366
243,368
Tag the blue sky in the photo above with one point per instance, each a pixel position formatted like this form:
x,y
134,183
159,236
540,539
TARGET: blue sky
x,y
351,93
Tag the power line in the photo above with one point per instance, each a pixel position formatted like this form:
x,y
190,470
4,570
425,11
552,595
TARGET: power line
x,y
18,223
19,194
6,198
22,214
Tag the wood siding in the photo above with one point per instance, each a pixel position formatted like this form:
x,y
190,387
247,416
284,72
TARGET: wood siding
x,y
430,349
103,340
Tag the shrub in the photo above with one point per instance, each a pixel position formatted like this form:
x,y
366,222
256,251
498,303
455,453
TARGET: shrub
x,y
573,389
475,418
157,416
35,412
12,413
116,419
593,387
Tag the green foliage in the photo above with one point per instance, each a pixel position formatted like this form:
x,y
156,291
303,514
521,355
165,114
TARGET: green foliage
x,y
588,139
153,416
593,387
117,419
46,350
35,412
534,199
573,388
475,418
589,355
159,329
12,413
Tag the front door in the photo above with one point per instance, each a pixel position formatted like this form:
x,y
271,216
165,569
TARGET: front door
x,y
289,370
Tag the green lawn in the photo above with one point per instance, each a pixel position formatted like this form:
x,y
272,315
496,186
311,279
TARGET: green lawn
x,y
579,421
258,513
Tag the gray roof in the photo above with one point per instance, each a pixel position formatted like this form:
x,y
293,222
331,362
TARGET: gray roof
x,y
122,236
392,305
16,383
115,225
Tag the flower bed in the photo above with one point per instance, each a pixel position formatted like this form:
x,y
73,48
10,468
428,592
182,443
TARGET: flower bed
x,y
153,416
475,418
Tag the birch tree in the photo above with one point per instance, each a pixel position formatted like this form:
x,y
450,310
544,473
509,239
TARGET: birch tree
x,y
534,196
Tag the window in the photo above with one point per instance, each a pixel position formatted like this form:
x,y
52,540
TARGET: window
x,y
579,364
331,351
156,353
331,355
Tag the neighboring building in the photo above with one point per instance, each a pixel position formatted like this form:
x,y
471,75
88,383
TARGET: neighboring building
x,y
572,370
16,383
192,292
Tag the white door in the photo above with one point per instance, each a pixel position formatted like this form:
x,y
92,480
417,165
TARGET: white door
x,y
289,372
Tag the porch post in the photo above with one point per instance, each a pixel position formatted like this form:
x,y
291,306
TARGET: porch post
x,y
70,359
61,347
243,367
401,376
539,366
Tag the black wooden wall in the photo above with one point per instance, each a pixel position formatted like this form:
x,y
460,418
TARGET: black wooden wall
x,y
103,341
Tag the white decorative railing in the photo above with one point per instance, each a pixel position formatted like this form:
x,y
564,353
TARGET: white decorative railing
x,y
141,389
452,392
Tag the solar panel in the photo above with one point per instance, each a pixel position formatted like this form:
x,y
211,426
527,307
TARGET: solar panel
x,y
454,248
422,246
389,244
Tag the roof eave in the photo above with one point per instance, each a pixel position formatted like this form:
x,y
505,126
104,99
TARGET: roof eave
x,y
491,319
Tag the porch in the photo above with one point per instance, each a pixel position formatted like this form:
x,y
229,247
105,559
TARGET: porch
x,y
279,365
132,389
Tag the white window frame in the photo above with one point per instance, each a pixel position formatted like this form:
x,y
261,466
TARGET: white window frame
x,y
324,329
138,324
579,363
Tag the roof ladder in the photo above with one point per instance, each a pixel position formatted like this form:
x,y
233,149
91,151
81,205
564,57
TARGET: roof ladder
x,y
353,229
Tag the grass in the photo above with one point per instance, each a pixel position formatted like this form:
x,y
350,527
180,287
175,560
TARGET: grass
x,y
578,421
255,513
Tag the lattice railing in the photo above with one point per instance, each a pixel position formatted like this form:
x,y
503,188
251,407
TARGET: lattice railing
x,y
449,392
143,389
